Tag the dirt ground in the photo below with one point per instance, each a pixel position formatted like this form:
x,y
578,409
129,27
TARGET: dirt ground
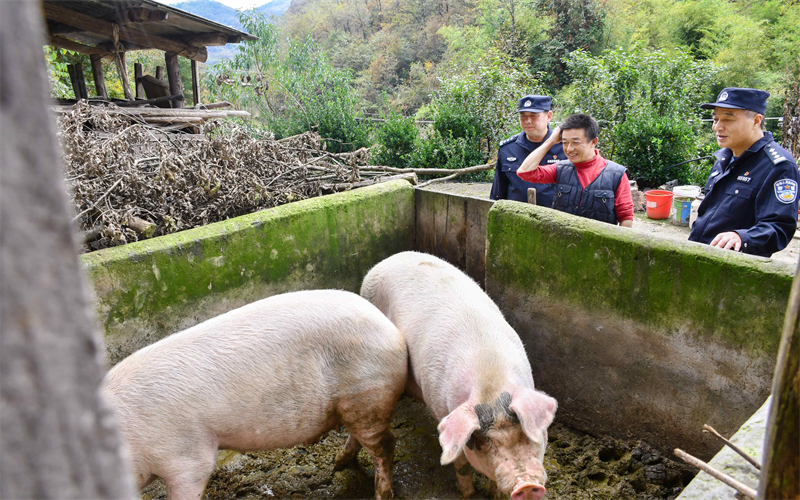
x,y
659,228
579,467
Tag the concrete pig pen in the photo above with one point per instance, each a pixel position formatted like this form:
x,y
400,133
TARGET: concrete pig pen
x,y
638,338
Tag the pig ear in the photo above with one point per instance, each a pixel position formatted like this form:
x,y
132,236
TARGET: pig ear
x,y
455,430
535,411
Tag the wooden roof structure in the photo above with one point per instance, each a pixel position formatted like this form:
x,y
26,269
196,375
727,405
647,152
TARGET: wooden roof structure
x,y
107,29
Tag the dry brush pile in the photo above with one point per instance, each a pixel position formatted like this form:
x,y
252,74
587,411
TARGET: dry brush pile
x,y
130,181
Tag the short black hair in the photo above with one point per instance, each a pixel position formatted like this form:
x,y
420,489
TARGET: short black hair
x,y
580,120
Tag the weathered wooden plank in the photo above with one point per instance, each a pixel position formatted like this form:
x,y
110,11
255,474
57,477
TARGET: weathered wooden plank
x,y
425,232
97,73
477,212
64,15
455,233
58,437
780,473
137,77
174,75
195,84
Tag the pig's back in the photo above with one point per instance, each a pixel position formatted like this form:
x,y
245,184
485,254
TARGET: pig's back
x,y
450,324
283,360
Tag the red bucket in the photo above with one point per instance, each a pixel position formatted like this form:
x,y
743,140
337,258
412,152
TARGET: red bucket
x,y
658,203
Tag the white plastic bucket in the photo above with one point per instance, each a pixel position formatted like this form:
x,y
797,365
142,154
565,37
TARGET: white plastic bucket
x,y
686,191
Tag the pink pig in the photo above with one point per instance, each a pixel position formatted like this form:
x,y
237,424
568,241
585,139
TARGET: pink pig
x,y
470,368
272,374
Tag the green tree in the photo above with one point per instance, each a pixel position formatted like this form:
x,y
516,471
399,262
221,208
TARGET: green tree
x,y
577,25
289,91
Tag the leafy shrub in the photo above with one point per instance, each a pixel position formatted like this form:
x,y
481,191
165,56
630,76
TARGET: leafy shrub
x,y
648,144
472,111
293,92
394,141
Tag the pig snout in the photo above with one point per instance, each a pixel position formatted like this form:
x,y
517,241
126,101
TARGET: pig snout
x,y
528,491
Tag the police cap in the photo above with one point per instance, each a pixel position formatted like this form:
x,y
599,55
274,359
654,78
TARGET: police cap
x,y
534,103
732,97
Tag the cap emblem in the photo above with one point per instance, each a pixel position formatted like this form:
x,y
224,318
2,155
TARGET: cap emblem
x,y
723,97
527,103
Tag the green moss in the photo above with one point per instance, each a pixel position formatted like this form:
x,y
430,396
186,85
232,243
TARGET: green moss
x,y
662,284
325,242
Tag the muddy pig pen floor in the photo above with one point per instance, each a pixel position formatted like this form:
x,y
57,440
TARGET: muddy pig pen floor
x,y
579,467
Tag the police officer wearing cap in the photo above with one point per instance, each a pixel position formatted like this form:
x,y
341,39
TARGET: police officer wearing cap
x,y
534,119
751,192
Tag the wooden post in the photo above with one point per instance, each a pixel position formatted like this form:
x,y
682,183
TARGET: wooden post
x,y
174,75
195,83
97,72
160,73
780,472
58,438
73,78
122,71
137,75
532,196
81,80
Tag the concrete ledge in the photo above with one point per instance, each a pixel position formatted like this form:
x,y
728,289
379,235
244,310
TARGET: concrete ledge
x,y
635,335
149,289
750,439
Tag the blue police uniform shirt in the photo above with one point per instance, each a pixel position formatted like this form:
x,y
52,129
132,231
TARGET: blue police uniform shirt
x,y
754,195
507,185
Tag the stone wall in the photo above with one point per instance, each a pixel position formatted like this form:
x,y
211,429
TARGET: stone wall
x,y
636,335
155,287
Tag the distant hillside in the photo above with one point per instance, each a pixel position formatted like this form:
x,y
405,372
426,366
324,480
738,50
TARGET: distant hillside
x,y
223,14
210,9
275,7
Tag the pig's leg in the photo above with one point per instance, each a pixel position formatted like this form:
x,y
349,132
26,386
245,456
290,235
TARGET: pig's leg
x,y
348,453
464,476
367,417
186,477
380,446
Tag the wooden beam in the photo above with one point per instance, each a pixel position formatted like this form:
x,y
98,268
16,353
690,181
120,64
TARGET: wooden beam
x,y
142,15
174,75
63,43
195,84
122,71
207,39
126,33
55,28
73,78
81,80
160,73
137,77
97,73
780,471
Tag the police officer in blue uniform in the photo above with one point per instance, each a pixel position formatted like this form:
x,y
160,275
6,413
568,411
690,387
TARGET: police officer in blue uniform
x,y
751,192
534,119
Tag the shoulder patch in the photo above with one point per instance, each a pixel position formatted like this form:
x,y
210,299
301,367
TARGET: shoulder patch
x,y
786,190
775,155
507,140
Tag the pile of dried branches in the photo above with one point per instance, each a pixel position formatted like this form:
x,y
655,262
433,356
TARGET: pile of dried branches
x,y
130,181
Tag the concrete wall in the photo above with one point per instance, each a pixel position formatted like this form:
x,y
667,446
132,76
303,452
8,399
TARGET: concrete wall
x,y
635,335
152,288
453,228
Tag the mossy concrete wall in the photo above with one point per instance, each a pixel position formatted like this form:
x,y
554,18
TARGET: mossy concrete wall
x,y
637,335
149,289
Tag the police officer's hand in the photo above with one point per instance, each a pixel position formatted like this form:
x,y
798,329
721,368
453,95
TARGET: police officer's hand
x,y
728,240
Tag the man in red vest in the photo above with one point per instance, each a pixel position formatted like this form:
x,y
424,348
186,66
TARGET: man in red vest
x,y
586,183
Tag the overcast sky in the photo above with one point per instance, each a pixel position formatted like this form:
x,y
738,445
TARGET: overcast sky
x,y
236,4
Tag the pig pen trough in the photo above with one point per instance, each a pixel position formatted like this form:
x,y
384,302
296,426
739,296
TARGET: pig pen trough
x,y
633,335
